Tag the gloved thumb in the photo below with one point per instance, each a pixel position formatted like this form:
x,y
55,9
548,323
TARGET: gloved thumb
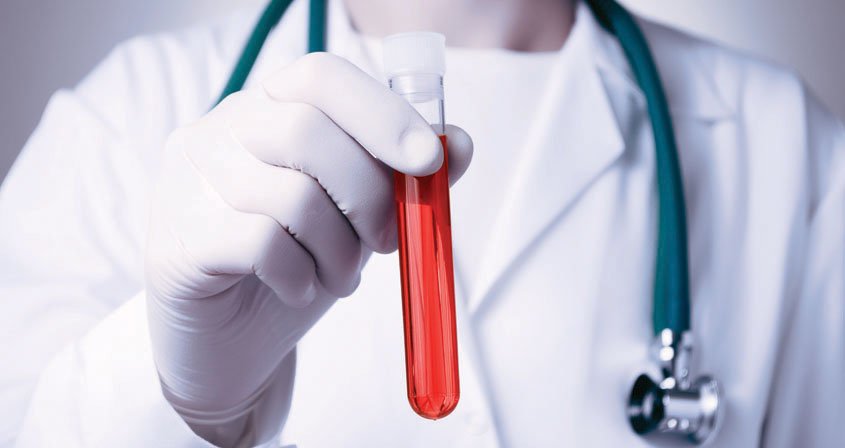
x,y
459,145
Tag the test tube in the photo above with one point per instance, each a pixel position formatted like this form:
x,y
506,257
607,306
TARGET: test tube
x,y
414,64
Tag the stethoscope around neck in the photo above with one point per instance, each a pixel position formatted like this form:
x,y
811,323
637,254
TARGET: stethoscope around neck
x,y
675,404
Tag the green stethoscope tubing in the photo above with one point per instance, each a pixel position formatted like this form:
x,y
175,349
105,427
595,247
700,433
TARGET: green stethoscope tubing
x,y
671,279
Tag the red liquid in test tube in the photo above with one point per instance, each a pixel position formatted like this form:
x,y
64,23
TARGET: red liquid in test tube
x,y
414,64
428,292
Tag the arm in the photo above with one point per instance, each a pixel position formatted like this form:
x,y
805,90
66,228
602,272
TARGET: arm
x,y
236,271
72,217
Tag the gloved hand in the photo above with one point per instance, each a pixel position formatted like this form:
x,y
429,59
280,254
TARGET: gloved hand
x,y
266,211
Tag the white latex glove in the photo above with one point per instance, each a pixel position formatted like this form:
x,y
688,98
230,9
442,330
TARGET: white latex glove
x,y
267,210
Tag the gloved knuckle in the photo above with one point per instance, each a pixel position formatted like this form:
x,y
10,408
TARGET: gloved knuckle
x,y
258,236
306,195
303,123
233,102
315,65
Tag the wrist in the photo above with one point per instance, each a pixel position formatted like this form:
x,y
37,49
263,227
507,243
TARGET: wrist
x,y
254,421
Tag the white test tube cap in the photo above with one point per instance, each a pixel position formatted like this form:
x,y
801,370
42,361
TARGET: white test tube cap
x,y
414,53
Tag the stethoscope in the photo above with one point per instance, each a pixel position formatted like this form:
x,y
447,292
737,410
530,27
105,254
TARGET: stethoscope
x,y
675,404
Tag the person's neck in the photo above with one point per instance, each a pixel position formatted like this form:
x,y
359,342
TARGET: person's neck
x,y
519,25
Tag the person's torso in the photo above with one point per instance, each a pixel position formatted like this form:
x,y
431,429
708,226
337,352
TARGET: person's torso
x,y
557,322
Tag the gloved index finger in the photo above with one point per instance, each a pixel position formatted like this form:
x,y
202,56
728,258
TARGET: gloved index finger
x,y
381,121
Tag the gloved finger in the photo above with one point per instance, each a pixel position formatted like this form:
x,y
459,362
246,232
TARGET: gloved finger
x,y
292,199
223,243
460,148
300,136
381,121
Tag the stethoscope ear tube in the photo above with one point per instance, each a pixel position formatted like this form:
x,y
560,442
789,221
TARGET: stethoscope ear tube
x,y
671,280
270,17
674,405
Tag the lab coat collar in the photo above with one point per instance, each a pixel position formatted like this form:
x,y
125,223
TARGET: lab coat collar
x,y
576,136
683,69
684,63
592,97
686,69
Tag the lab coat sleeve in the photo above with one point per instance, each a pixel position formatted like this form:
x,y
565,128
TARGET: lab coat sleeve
x,y
76,359
103,390
69,244
807,401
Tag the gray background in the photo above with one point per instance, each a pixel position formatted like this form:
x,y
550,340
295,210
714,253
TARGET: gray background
x,y
48,44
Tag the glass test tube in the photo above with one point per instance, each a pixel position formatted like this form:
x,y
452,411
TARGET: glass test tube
x,y
425,237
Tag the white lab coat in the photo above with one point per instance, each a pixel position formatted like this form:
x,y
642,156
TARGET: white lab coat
x,y
558,322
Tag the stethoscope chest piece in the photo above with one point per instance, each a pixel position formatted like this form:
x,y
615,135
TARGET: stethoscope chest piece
x,y
675,405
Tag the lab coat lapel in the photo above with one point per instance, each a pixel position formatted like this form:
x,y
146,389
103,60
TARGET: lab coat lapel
x,y
576,136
